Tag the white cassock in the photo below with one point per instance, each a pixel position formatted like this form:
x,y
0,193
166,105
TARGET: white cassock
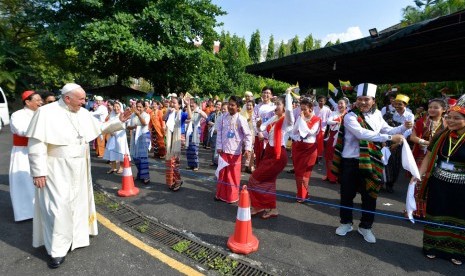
x,y
65,214
21,185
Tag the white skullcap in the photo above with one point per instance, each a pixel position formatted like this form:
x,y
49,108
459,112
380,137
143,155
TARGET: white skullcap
x,y
366,89
248,93
98,98
69,87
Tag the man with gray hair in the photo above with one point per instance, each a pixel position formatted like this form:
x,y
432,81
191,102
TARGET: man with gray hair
x,y
59,158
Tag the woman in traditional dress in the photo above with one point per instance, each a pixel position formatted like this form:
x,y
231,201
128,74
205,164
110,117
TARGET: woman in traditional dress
x,y
117,145
334,122
174,117
211,123
443,187
306,136
157,128
262,182
247,112
233,133
193,134
140,141
424,130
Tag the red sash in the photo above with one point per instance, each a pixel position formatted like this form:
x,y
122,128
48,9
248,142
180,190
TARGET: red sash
x,y
278,135
320,135
20,141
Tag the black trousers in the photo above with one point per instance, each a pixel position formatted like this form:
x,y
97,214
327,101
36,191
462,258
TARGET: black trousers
x,y
352,181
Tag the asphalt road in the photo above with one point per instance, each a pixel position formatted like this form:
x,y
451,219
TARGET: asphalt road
x,y
301,241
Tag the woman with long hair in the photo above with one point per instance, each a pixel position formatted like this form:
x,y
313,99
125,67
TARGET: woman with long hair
x,y
117,145
423,132
443,187
262,182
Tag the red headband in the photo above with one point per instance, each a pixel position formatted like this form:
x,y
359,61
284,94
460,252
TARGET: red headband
x,y
458,109
26,94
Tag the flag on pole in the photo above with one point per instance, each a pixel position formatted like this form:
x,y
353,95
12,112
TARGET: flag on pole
x,y
345,85
332,89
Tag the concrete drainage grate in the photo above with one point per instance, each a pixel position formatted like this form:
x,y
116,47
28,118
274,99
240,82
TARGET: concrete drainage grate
x,y
208,257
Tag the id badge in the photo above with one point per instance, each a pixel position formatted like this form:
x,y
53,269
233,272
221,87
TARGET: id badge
x,y
230,134
265,119
447,166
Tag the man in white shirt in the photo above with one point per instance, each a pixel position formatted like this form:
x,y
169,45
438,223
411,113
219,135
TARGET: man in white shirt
x,y
262,113
358,160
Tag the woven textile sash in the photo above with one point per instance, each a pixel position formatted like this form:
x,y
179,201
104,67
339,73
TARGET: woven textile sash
x,y
370,163
434,155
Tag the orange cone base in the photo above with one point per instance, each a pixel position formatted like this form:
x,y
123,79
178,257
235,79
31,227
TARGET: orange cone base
x,y
243,248
128,192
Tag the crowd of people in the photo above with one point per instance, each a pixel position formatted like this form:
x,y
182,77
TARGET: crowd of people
x,y
362,148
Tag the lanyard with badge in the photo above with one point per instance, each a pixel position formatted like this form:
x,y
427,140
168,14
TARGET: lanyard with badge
x,y
232,128
450,151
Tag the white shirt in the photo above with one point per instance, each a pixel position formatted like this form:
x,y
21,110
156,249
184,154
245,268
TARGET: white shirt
x,y
323,113
354,132
287,124
262,112
301,130
101,113
405,117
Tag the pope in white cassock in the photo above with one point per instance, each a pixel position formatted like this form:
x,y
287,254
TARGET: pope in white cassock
x,y
59,136
21,187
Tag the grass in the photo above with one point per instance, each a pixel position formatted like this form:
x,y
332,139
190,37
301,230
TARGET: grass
x,y
181,246
100,198
144,227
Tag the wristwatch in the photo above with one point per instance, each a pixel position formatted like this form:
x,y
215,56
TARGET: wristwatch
x,y
389,137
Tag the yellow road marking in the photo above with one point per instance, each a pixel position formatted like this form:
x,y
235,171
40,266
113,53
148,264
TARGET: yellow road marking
x,y
187,270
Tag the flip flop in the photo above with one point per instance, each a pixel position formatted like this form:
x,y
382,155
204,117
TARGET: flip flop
x,y
456,262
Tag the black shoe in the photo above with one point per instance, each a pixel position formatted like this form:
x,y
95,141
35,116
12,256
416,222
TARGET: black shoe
x,y
56,262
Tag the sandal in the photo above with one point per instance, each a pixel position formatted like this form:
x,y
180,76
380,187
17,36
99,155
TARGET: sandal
x,y
195,169
111,171
254,212
176,186
146,181
456,262
270,213
430,256
120,171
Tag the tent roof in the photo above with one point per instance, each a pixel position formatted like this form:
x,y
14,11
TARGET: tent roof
x,y
432,50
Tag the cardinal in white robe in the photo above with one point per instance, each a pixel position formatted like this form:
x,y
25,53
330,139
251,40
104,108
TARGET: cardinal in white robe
x,y
21,187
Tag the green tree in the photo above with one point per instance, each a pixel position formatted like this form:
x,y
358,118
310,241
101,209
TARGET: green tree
x,y
317,44
282,50
149,39
255,49
270,50
308,43
295,46
427,9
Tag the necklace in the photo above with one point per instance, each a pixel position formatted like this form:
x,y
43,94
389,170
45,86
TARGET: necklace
x,y
70,117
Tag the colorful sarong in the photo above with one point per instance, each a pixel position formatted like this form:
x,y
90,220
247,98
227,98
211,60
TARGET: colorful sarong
x,y
262,182
141,156
172,171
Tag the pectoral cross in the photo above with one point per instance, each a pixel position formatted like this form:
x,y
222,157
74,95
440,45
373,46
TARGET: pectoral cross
x,y
79,138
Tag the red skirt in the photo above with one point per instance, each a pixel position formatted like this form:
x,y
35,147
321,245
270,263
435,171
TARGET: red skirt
x,y
304,157
262,182
258,148
329,153
229,179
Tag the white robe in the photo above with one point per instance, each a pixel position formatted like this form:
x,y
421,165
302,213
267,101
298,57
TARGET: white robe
x,y
21,186
65,212
117,146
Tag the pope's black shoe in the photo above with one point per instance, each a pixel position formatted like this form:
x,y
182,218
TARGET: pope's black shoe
x,y
56,262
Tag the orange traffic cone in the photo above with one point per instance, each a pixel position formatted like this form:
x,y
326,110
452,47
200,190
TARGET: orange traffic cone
x,y
243,240
128,188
